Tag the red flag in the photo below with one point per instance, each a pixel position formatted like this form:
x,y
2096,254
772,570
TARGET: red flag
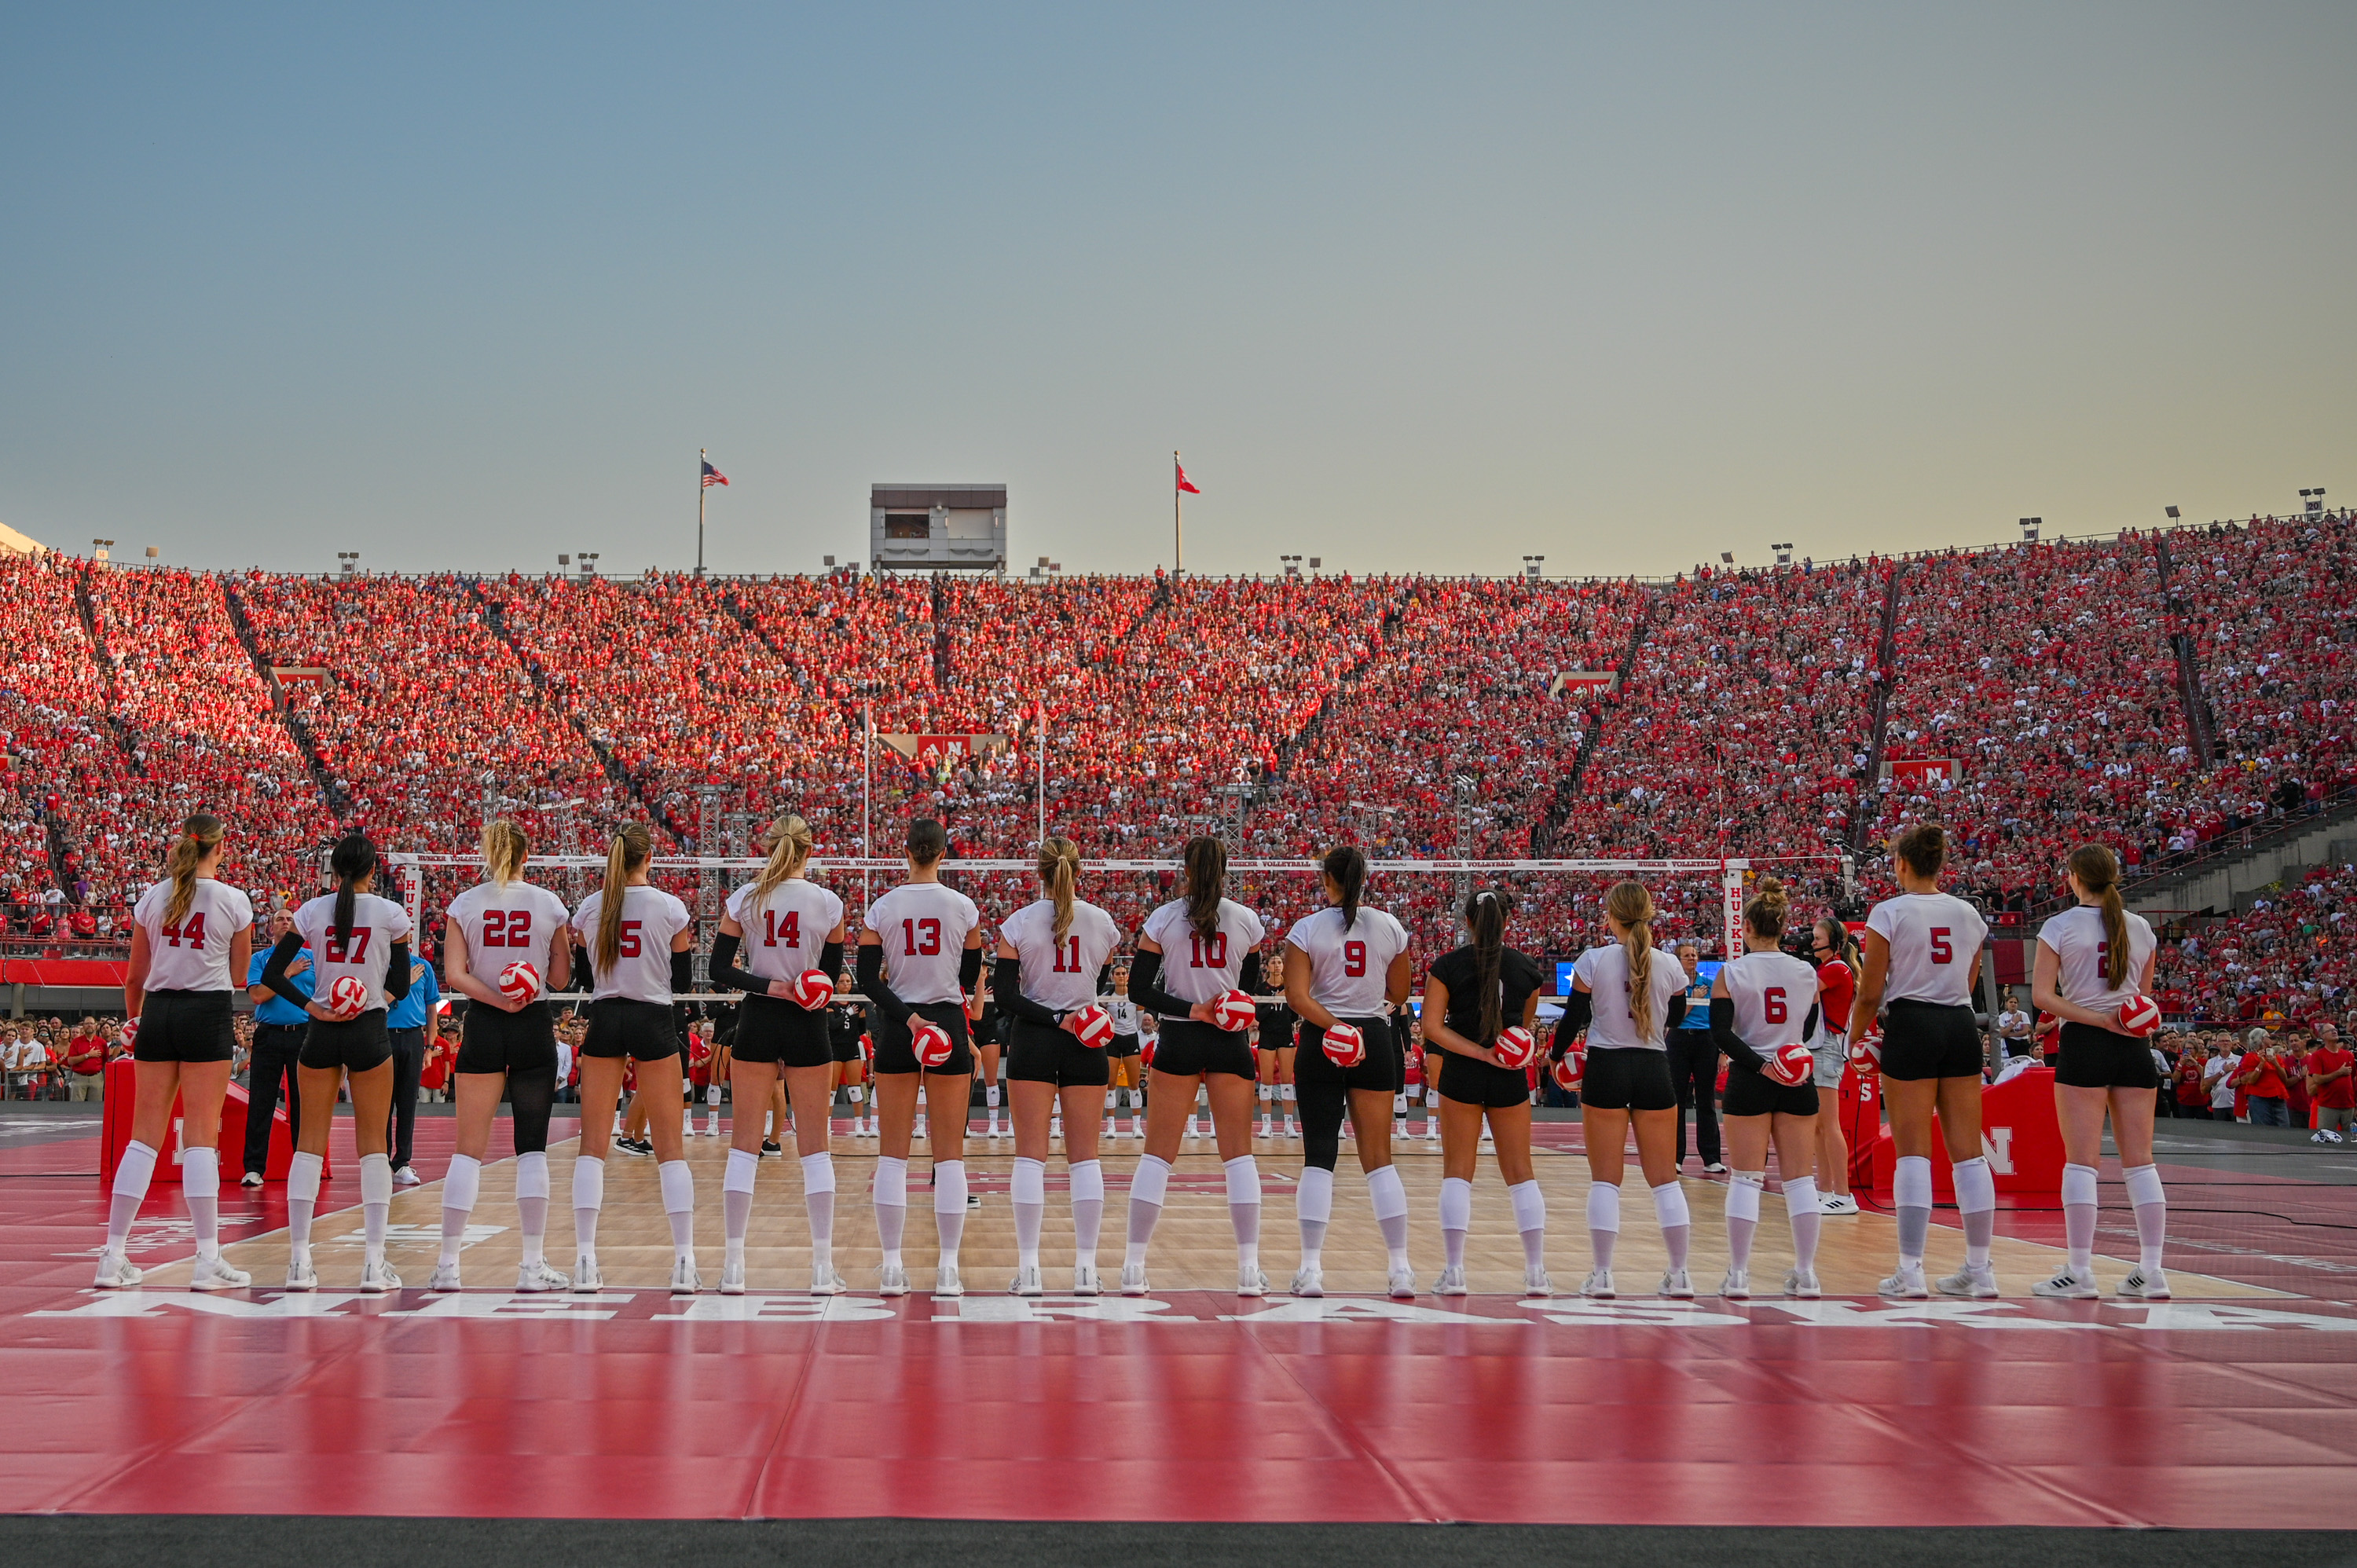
x,y
712,476
1185,483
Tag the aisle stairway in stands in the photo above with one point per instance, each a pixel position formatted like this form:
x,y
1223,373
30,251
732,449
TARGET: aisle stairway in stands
x,y
332,788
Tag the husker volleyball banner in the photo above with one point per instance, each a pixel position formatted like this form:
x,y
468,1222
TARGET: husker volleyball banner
x,y
945,747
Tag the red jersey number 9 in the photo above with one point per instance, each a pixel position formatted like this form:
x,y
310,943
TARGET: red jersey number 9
x,y
1354,960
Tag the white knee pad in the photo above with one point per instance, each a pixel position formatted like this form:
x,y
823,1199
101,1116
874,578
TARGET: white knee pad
x,y
1910,1183
1285,1092
742,1165
376,1178
818,1173
1743,1195
858,1093
1456,1204
990,1097
949,1186
1670,1206
892,1182
2143,1184
1314,1198
465,1183
1031,1181
1088,1182
531,1174
588,1183
1975,1186
1151,1180
2079,1184
1268,1094
1244,1179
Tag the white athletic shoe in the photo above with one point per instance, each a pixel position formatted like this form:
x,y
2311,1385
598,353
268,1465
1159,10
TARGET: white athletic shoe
x,y
1194,1127
1452,1281
2067,1285
684,1280
946,1282
732,1276
1713,1167
892,1279
1977,1284
214,1274
1026,1281
1400,1284
405,1176
824,1280
1308,1280
251,1178
1108,1132
1084,1279
300,1274
1250,1280
1736,1285
1802,1286
445,1278
1836,1203
1132,1278
712,1126
378,1278
1292,1127
586,1280
117,1272
533,1278
1536,1283
1598,1284
1905,1285
1432,1132
1676,1285
2144,1285
1055,1130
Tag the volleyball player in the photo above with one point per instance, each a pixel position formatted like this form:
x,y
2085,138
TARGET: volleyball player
x,y
2091,959
1122,1059
191,937
508,1046
850,1027
1051,953
356,934
1922,950
1627,994
919,956
786,926
1209,944
1838,962
1279,1024
1762,1000
1471,995
639,938
1353,968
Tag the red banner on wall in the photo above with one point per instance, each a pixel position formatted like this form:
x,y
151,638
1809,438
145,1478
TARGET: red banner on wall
x,y
938,749
1924,770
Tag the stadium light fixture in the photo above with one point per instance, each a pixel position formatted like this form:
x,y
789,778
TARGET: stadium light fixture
x,y
2030,528
2314,500
1727,557
2171,511
1531,565
589,563
99,547
1783,553
348,560
1317,562
564,561
1292,565
830,562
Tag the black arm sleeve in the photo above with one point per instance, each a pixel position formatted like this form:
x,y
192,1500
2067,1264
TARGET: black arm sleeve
x,y
1810,1027
1007,990
397,973
1677,1017
1250,977
1104,981
871,984
1144,970
723,968
1577,1009
682,973
830,960
969,968
1723,1035
274,973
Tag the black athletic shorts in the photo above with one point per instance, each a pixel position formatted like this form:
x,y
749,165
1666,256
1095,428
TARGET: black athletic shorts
x,y
642,1031
2098,1059
1927,1039
491,1040
843,1044
1750,1093
362,1044
772,1029
1471,1082
185,1026
1038,1054
1122,1046
1628,1078
1277,1027
1188,1047
895,1054
1381,1068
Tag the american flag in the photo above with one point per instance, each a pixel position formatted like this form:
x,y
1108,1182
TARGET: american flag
x,y
712,476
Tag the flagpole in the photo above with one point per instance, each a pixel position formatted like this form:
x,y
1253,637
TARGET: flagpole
x,y
1043,771
1174,513
866,768
702,455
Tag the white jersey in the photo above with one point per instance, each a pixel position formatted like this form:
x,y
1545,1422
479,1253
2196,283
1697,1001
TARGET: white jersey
x,y
785,932
1124,1012
192,954
1195,967
520,923
1349,968
1772,993
1935,942
1060,976
1611,1026
642,971
2081,951
366,950
923,927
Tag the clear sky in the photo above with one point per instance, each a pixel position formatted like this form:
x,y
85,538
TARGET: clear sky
x,y
1416,288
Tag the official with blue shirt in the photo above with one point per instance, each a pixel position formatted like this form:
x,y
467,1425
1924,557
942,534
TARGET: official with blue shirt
x,y
279,1028
411,1025
1694,1061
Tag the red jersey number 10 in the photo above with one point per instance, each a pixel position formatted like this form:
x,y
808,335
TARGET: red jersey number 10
x,y
1207,953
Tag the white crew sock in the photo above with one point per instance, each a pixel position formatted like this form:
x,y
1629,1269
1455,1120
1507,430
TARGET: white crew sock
x,y
1806,1218
1677,1224
737,1201
1243,1209
1313,1205
460,1188
588,1197
1530,1219
200,1189
131,1174
1029,1191
2151,1203
1603,1221
1976,1207
376,1203
2078,1201
302,1198
891,1196
532,1188
818,1202
1456,1219
1088,1210
949,1207
1147,1186
1389,1198
1911,1196
1743,1215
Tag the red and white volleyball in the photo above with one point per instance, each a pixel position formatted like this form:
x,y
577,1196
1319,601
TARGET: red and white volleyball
x,y
1093,1027
931,1044
1571,1070
520,983
1791,1065
1234,1010
2140,1016
1516,1048
1344,1046
347,997
813,989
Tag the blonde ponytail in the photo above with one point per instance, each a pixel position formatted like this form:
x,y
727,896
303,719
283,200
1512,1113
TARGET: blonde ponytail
x,y
199,836
2098,871
1060,869
787,840
1632,906
505,850
632,848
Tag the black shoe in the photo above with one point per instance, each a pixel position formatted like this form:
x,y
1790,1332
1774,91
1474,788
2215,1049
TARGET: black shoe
x,y
634,1146
771,1148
